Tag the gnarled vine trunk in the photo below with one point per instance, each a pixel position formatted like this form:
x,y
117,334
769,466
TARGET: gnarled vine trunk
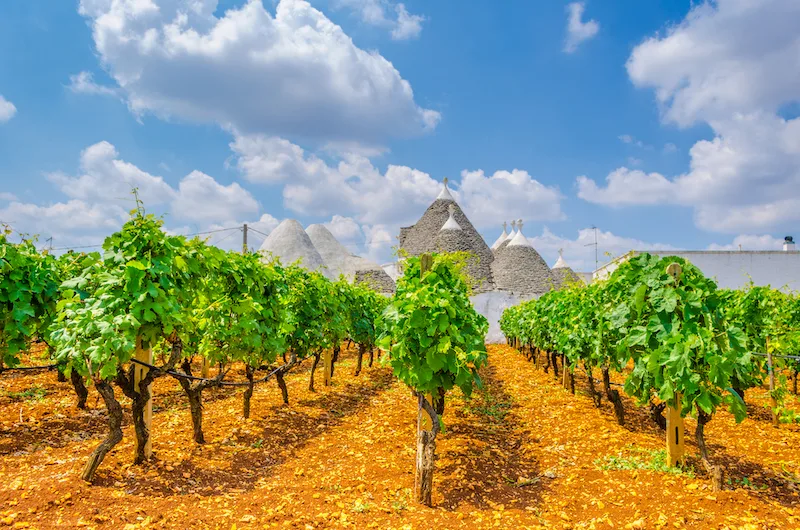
x,y
613,396
80,388
361,350
336,350
554,357
282,386
313,371
372,356
426,454
699,434
114,435
596,398
248,394
657,415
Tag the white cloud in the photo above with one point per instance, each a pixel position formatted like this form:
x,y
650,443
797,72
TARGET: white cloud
x,y
70,222
387,14
7,196
751,242
578,31
345,229
355,187
295,73
628,139
727,65
105,177
7,110
579,253
726,57
670,148
100,199
83,83
488,200
201,198
626,187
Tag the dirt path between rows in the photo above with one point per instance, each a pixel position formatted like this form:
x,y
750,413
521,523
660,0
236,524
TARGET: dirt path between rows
x,y
520,453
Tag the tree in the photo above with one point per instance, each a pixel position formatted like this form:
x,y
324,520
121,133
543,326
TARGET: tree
x,y
136,296
435,340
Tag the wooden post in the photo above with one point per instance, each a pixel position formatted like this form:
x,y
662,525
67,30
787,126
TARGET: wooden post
x,y
675,432
773,401
423,419
139,373
565,373
675,427
327,363
205,367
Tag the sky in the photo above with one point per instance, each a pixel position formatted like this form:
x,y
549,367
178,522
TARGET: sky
x,y
664,124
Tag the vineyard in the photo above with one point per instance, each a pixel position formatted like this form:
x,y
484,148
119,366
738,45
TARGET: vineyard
x,y
168,383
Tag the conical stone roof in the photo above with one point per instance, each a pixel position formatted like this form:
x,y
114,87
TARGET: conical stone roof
x,y
290,243
502,237
520,269
422,237
562,273
341,261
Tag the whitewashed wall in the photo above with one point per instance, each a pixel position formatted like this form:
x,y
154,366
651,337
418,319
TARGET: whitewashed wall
x,y
491,305
735,269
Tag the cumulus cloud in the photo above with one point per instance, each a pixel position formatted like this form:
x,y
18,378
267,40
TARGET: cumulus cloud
x,y
295,74
387,14
355,187
578,31
100,198
83,83
579,253
105,177
750,242
380,202
7,110
626,187
729,65
201,198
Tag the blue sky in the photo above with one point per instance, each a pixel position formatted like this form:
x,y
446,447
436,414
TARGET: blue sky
x,y
661,127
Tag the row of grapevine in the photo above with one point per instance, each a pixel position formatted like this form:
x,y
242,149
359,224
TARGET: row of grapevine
x,y
156,295
683,344
103,318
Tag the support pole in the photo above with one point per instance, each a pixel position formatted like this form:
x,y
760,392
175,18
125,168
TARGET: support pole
x,y
675,427
773,401
244,239
139,373
675,432
204,368
327,364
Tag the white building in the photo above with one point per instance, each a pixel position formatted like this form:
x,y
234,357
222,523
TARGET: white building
x,y
732,269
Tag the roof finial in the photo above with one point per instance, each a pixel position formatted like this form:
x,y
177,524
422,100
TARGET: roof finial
x,y
561,253
560,263
451,223
445,193
519,225
505,226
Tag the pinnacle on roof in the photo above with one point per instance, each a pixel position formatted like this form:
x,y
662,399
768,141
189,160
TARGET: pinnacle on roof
x,y
513,230
445,193
503,236
451,223
560,263
519,240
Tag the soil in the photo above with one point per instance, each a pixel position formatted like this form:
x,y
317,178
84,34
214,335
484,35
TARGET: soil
x,y
520,453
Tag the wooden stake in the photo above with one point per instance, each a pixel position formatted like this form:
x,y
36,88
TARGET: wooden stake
x,y
327,363
675,426
204,369
675,432
139,373
771,369
423,419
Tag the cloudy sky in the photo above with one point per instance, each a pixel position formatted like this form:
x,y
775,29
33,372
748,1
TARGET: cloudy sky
x,y
665,124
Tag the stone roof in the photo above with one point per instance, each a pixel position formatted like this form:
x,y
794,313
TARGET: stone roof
x,y
422,237
518,268
502,237
339,260
290,243
564,276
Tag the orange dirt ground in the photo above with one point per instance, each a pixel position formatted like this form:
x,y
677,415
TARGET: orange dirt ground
x,y
522,453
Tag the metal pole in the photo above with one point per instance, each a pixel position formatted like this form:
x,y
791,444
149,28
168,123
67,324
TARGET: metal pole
x,y
244,239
